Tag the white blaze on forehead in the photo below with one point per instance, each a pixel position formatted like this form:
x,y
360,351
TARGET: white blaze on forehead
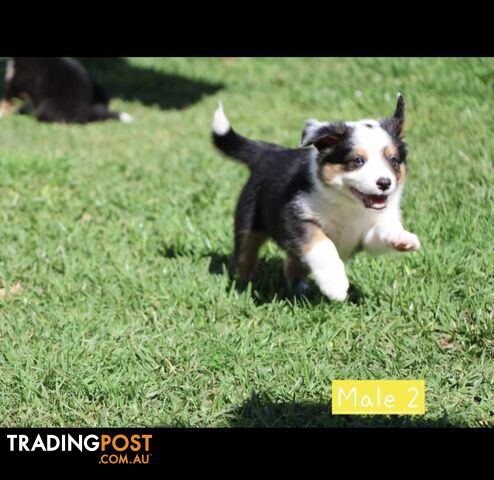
x,y
370,136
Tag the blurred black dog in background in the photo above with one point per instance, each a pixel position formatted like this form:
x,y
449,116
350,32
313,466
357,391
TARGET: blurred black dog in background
x,y
56,89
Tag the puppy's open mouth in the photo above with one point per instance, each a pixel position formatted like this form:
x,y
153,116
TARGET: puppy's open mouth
x,y
376,202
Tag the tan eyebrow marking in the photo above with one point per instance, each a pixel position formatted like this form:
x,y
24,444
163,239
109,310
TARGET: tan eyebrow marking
x,y
390,151
360,152
401,171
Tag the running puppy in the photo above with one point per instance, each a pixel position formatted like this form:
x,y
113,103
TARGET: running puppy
x,y
57,89
324,203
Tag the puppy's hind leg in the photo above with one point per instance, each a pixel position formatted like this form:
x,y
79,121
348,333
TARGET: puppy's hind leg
x,y
48,111
26,108
7,105
248,236
247,245
101,112
296,274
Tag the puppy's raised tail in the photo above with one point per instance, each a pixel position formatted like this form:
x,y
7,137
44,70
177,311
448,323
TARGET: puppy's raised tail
x,y
229,142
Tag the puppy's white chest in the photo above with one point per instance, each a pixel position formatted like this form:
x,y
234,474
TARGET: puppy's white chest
x,y
346,228
344,224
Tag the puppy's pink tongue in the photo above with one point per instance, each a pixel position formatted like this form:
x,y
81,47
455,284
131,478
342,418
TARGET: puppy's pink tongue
x,y
378,199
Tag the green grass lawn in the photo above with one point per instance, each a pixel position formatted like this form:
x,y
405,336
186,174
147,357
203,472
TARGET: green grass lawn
x,y
116,306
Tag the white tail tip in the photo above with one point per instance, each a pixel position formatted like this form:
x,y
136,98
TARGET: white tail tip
x,y
126,118
221,125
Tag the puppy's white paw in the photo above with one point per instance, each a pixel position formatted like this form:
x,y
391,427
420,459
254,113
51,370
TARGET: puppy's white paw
x,y
125,117
328,270
335,286
405,242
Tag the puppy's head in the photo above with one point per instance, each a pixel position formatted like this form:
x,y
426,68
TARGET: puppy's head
x,y
366,160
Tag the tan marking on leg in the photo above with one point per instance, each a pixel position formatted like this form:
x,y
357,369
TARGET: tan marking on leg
x,y
294,270
314,235
322,258
7,107
249,249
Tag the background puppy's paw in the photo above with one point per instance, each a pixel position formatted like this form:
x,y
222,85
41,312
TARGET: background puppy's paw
x,y
405,242
125,117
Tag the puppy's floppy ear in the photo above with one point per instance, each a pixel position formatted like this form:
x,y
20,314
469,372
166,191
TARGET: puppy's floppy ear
x,y
399,115
322,134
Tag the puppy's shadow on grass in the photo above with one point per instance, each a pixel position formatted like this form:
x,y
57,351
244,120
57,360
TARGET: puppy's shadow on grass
x,y
147,85
268,283
260,411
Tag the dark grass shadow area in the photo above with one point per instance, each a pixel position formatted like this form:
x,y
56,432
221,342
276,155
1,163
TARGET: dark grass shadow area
x,y
267,285
146,85
260,412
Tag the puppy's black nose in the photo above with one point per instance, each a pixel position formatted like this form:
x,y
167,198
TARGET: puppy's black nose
x,y
383,183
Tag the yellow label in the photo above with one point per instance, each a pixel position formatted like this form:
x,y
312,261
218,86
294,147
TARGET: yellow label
x,y
378,397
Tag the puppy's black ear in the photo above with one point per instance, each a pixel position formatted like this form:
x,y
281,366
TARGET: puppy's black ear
x,y
395,125
399,115
322,134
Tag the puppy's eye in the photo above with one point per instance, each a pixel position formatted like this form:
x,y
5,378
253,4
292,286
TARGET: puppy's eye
x,y
358,161
395,162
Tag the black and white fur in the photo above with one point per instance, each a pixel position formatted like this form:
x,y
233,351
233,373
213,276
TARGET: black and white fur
x,y
56,89
322,204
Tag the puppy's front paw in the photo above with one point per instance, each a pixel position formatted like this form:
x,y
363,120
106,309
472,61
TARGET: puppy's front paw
x,y
335,287
405,242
